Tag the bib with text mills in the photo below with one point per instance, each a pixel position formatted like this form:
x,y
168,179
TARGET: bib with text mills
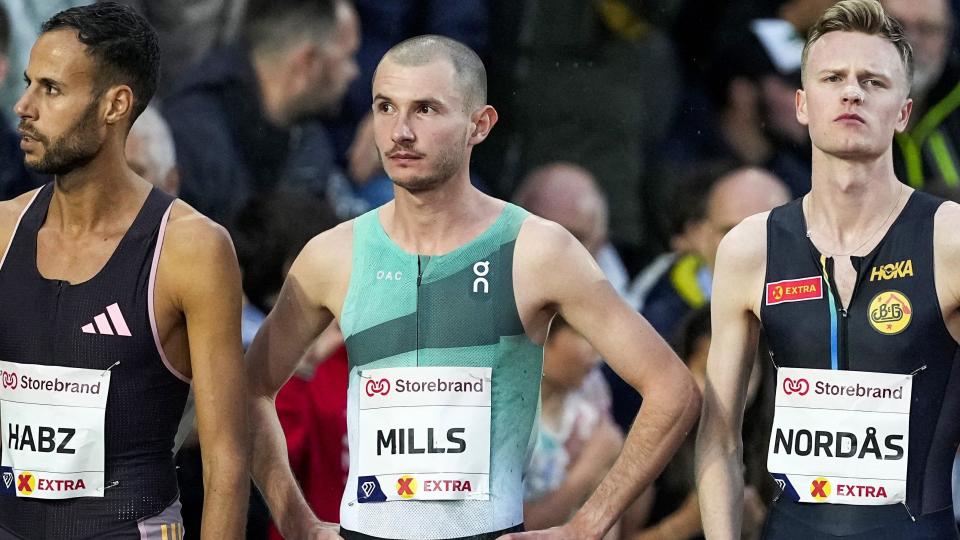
x,y
444,386
830,359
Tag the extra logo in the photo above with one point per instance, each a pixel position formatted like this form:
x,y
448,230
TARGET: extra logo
x,y
9,380
795,290
26,483
378,386
890,312
795,386
899,269
406,486
820,489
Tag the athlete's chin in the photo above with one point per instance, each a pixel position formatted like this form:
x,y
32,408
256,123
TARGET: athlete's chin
x,y
417,184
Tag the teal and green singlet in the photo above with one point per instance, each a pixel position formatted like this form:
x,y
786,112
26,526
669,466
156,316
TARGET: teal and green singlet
x,y
457,309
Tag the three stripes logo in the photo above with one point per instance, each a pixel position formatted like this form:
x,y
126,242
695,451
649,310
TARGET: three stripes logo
x,y
110,323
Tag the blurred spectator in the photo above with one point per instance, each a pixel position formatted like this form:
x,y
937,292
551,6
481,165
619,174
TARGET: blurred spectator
x,y
716,202
26,17
243,119
751,115
676,510
187,29
150,151
14,178
577,442
588,82
568,194
929,147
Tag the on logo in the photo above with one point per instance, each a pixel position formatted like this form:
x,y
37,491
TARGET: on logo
x,y
380,386
481,269
799,386
10,380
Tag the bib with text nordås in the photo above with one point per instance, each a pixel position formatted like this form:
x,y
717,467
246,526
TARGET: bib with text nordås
x,y
424,434
52,429
841,437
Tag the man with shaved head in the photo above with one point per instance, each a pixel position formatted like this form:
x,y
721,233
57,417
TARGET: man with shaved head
x,y
445,297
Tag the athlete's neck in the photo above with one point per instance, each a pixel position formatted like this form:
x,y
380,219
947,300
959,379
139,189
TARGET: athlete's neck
x,y
99,194
848,198
440,220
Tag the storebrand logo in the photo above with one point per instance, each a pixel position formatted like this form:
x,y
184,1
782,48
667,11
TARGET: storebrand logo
x,y
378,386
795,290
367,488
10,380
8,479
798,386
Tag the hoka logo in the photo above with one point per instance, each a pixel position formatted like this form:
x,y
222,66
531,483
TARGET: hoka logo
x,y
895,270
481,269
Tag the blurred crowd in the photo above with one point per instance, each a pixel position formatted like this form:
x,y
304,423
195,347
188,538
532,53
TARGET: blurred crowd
x,y
648,128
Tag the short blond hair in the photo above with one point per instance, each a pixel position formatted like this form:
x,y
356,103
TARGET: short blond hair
x,y
864,16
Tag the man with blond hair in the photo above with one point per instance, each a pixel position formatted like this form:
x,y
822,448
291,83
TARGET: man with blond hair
x,y
855,287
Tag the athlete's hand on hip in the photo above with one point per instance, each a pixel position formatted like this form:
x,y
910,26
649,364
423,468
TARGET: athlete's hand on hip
x,y
324,531
564,532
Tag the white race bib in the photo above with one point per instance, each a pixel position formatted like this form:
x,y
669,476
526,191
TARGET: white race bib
x,y
841,437
52,429
424,433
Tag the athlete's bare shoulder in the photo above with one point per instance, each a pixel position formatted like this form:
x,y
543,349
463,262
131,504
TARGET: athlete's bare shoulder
x,y
741,264
190,234
745,246
322,270
946,251
541,240
10,212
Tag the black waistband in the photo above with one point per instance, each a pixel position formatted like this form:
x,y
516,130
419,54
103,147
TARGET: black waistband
x,y
788,520
351,535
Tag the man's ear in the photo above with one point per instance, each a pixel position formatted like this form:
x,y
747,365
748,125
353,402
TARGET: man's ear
x,y
483,121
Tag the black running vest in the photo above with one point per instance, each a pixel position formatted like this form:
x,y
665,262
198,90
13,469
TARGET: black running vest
x,y
51,322
893,325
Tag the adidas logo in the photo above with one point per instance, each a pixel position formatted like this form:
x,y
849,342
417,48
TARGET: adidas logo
x,y
101,323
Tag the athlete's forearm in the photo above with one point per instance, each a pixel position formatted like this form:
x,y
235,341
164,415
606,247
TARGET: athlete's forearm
x,y
719,467
667,415
270,469
226,488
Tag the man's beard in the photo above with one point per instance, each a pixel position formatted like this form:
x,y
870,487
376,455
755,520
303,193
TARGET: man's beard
x,y
74,149
448,165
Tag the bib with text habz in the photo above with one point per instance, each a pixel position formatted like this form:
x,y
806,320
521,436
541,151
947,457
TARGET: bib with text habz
x,y
424,434
841,437
52,429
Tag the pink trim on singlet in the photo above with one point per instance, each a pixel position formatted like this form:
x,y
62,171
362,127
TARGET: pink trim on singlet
x,y
150,287
17,226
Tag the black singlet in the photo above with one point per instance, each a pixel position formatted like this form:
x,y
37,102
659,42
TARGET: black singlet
x,y
51,322
820,334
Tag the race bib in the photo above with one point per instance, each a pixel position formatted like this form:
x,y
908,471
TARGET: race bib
x,y
52,429
841,437
424,434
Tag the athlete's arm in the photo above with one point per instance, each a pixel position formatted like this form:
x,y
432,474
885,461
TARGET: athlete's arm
x,y
561,276
737,279
199,267
300,314
946,252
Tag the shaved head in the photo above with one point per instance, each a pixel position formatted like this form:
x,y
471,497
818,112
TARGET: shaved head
x,y
567,194
421,50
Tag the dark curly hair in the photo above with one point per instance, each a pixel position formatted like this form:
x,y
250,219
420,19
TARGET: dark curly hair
x,y
122,43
